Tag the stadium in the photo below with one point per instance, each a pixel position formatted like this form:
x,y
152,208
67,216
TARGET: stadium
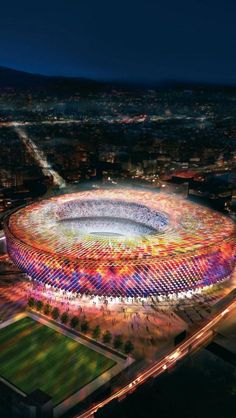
x,y
121,243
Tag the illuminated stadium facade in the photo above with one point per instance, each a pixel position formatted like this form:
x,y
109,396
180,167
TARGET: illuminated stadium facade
x,y
121,242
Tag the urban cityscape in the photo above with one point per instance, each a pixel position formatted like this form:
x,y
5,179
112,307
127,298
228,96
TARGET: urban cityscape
x,y
117,240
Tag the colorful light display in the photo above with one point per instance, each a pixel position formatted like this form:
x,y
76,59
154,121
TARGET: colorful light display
x,y
121,242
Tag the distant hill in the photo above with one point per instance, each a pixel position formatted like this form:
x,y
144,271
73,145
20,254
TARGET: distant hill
x,y
20,80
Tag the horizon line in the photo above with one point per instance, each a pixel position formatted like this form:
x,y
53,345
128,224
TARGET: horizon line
x,y
134,82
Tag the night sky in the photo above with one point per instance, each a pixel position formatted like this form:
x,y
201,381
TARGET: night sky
x,y
152,40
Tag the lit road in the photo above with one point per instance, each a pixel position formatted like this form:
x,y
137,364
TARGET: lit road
x,y
39,156
192,343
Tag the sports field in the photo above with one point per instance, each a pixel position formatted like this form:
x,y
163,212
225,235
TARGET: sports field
x,y
34,356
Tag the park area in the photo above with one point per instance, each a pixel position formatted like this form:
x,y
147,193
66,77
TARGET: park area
x,y
34,356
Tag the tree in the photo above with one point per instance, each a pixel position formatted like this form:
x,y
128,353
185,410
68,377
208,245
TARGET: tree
x,y
96,332
39,305
85,326
47,309
31,302
64,318
74,322
55,313
107,337
118,341
128,347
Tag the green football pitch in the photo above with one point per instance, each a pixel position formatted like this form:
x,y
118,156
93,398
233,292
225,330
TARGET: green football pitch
x,y
34,356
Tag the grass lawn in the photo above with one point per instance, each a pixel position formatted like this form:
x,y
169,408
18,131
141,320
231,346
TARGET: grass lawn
x,y
34,356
